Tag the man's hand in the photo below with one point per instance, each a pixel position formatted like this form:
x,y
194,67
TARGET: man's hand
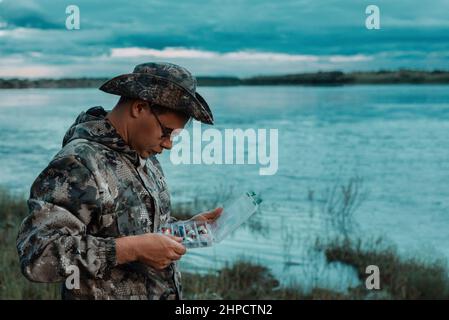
x,y
153,249
209,216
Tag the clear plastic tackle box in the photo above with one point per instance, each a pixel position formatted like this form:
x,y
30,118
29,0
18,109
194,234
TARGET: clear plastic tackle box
x,y
202,234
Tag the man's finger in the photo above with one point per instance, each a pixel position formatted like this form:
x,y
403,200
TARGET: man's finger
x,y
175,256
214,214
179,249
177,239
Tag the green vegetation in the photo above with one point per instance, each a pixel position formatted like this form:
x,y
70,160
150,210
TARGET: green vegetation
x,y
340,78
242,280
401,278
13,285
316,78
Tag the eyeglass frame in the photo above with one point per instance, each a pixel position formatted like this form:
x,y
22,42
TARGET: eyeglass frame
x,y
166,132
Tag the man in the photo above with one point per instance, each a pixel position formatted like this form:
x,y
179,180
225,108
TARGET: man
x,y
98,205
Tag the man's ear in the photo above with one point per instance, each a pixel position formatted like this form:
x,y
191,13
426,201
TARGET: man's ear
x,y
137,107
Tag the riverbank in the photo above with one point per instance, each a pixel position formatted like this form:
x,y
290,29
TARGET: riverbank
x,y
311,79
400,278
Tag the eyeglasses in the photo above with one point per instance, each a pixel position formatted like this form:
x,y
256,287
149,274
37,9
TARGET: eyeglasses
x,y
166,132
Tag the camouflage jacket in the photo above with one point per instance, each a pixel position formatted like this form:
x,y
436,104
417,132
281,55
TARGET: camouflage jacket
x,y
96,189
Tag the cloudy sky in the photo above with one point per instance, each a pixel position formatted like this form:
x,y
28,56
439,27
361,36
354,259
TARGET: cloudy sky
x,y
220,37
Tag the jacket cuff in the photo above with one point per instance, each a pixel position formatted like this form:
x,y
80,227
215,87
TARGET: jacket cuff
x,y
107,255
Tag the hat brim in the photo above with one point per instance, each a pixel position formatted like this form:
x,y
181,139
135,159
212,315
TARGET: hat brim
x,y
161,91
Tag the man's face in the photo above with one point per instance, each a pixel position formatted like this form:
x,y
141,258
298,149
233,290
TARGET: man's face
x,y
147,133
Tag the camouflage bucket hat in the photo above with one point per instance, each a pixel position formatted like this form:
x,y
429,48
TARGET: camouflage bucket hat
x,y
163,83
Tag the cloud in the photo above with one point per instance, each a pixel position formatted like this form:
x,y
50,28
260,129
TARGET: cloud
x,y
166,53
262,57
242,64
354,58
32,21
172,53
37,65
18,67
269,56
240,38
26,14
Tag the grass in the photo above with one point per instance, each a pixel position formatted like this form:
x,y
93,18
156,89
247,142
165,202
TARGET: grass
x,y
13,285
401,278
242,280
246,280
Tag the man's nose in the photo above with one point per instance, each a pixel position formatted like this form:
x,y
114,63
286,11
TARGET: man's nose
x,y
167,143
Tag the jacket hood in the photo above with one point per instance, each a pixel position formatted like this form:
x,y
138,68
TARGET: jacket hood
x,y
92,125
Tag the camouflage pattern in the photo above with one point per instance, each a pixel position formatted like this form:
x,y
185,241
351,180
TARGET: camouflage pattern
x,y
165,84
95,190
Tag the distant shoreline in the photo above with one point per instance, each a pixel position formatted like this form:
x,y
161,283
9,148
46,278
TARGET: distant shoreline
x,y
305,79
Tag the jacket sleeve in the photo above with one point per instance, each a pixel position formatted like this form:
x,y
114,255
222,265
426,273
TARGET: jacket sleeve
x,y
54,237
172,219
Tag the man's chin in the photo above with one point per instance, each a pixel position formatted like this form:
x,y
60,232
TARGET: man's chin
x,y
147,154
